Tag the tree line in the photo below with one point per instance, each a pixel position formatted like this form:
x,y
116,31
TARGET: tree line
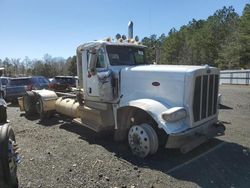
x,y
222,40
48,66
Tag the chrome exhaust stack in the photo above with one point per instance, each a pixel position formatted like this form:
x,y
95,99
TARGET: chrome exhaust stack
x,y
130,29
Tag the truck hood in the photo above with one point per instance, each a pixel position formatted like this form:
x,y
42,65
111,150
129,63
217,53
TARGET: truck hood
x,y
164,83
163,68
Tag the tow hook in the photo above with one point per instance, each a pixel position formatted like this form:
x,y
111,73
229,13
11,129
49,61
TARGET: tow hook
x,y
220,128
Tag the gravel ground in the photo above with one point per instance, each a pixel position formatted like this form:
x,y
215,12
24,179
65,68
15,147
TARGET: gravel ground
x,y
58,153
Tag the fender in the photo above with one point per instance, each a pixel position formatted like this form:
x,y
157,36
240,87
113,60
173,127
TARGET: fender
x,y
155,109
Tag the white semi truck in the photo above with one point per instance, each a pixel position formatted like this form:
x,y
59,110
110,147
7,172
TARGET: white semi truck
x,y
148,105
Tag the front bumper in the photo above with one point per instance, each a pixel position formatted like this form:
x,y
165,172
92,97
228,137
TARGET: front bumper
x,y
194,137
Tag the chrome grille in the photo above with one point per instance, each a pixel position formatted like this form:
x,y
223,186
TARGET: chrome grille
x,y
205,96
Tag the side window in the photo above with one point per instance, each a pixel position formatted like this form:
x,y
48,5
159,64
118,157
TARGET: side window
x,y
101,59
88,57
43,80
139,57
88,54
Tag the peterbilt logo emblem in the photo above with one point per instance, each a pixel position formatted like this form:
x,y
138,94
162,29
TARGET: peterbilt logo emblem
x,y
156,83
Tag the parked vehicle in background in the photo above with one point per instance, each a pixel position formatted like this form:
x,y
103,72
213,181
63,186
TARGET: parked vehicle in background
x,y
17,87
63,83
51,79
4,81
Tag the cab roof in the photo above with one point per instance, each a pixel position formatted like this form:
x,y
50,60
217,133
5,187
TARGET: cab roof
x,y
106,43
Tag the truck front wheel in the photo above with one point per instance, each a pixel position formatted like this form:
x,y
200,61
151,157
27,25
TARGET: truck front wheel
x,y
143,140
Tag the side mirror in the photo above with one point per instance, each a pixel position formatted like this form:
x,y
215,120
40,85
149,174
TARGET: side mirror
x,y
104,74
92,62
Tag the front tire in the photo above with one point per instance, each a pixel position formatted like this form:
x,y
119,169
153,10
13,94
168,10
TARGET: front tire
x,y
143,140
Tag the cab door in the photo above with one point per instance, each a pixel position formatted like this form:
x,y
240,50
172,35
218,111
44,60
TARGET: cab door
x,y
93,82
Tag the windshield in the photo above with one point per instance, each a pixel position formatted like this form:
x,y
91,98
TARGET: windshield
x,y
126,55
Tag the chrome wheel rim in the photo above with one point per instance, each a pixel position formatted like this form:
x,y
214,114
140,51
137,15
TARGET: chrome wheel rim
x,y
139,141
143,140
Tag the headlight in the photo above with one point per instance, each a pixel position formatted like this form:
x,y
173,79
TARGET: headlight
x,y
174,114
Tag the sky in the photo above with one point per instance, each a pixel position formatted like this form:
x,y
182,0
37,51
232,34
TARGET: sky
x,y
36,27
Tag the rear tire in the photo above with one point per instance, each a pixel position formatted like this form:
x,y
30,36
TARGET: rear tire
x,y
8,166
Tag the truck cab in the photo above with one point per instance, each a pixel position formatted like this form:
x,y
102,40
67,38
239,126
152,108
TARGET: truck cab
x,y
101,64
